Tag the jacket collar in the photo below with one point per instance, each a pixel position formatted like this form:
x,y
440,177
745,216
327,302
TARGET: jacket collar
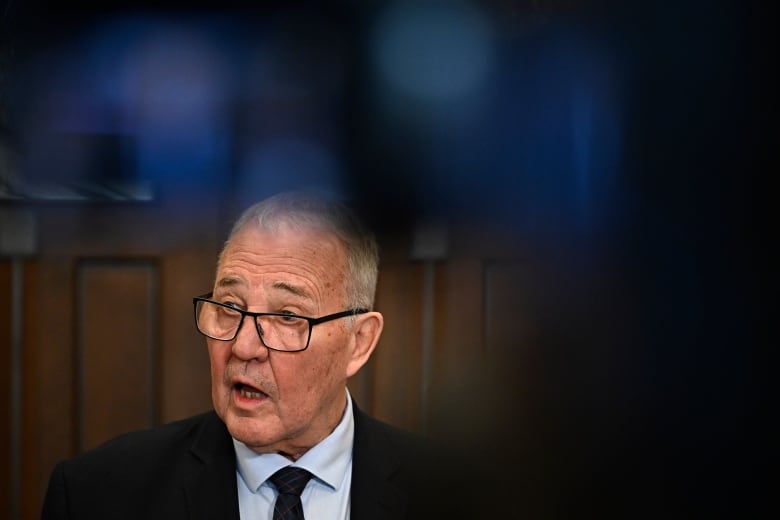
x,y
375,460
211,492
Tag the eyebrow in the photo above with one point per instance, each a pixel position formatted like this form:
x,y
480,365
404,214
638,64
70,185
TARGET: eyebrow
x,y
229,281
292,289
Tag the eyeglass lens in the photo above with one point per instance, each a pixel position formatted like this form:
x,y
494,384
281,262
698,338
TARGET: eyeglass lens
x,y
279,332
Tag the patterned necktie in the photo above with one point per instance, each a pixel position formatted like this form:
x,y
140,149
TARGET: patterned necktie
x,y
289,482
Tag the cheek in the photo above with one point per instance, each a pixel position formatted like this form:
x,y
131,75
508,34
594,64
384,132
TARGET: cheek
x,y
218,360
319,376
329,368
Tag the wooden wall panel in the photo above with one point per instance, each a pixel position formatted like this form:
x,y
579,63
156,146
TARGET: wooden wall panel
x,y
112,279
395,367
185,375
47,400
510,300
117,348
484,335
458,349
511,340
5,385
460,316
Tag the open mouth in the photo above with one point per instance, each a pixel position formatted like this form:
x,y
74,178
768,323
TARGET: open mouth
x,y
249,392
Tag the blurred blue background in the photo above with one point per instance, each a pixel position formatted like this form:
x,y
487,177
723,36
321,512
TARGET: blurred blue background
x,y
631,145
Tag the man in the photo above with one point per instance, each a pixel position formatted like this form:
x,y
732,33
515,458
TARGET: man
x,y
289,320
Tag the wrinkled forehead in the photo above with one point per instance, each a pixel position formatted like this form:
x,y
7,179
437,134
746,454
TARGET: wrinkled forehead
x,y
304,265
312,243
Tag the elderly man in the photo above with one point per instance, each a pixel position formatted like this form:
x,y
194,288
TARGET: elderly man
x,y
288,321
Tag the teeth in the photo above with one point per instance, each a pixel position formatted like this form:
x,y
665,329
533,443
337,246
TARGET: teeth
x,y
251,395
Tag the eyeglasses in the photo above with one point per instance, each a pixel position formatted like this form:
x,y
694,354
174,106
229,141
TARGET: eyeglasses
x,y
278,331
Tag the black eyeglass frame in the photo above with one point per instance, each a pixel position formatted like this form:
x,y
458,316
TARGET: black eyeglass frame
x,y
312,321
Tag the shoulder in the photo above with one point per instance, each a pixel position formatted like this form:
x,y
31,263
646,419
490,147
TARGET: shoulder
x,y
375,434
140,458
143,471
422,470
145,444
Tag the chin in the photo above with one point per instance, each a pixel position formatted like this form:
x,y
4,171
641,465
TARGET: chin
x,y
249,430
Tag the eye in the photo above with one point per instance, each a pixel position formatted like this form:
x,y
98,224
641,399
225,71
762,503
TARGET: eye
x,y
231,304
225,312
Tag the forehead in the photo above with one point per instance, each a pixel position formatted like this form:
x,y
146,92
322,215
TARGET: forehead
x,y
302,261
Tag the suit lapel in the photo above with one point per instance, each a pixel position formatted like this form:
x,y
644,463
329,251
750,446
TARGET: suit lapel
x,y
211,491
374,496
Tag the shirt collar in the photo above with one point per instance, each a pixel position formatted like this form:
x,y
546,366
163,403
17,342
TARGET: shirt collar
x,y
328,461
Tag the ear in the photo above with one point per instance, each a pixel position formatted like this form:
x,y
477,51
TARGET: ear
x,y
365,335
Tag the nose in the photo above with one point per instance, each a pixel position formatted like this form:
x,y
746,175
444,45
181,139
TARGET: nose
x,y
247,345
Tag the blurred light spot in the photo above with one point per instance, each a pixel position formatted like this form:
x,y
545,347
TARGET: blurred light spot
x,y
291,69
288,165
583,122
177,79
436,53
176,83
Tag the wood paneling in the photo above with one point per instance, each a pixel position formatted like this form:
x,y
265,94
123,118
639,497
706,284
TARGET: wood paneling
x,y
48,365
110,344
117,348
509,302
512,354
5,385
185,384
395,368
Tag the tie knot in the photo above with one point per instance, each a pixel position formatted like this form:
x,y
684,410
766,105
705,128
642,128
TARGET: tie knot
x,y
291,480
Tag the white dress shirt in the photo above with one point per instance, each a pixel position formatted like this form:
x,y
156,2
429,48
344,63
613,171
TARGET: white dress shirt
x,y
327,493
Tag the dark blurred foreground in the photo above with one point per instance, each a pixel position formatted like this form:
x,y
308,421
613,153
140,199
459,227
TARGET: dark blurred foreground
x,y
628,149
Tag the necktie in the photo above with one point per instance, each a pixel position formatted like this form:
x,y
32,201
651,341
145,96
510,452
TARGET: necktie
x,y
289,483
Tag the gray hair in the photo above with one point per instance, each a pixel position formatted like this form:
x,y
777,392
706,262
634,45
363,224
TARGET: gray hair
x,y
301,210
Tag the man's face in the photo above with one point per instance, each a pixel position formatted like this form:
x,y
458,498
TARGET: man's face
x,y
281,401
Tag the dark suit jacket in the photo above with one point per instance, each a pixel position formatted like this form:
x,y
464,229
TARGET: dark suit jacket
x,y
187,470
